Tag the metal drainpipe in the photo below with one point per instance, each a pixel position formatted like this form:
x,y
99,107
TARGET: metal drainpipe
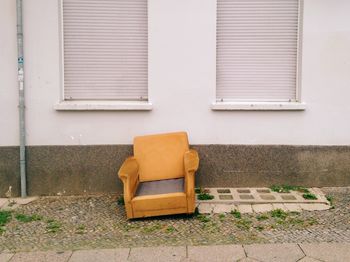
x,y
22,139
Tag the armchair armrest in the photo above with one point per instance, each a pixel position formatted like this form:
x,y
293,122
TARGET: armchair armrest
x,y
128,173
191,161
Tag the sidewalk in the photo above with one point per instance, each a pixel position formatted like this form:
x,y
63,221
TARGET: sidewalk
x,y
248,253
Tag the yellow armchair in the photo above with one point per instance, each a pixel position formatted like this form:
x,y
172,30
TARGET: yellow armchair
x,y
159,178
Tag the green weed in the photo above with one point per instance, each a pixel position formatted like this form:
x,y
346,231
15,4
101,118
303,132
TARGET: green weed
x,y
262,217
244,224
151,228
5,217
170,229
309,196
236,214
205,196
80,229
120,201
288,188
203,218
222,217
53,226
26,218
279,213
259,228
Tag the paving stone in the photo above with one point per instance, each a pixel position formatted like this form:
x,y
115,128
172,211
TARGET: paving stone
x,y
279,206
248,259
3,201
293,207
25,200
4,257
40,256
245,208
261,208
308,259
100,255
216,253
274,252
335,252
152,254
314,207
222,208
204,208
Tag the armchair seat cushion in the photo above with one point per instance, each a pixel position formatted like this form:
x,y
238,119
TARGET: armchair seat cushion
x,y
159,187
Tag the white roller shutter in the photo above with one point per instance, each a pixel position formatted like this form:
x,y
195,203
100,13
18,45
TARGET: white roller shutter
x,y
257,42
105,49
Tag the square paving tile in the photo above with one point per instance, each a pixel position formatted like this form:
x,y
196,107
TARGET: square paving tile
x,y
267,197
288,197
225,197
100,255
216,253
224,191
243,190
150,254
41,256
263,191
274,252
336,252
246,197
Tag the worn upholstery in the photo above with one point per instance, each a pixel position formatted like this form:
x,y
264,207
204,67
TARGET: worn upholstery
x,y
159,178
160,187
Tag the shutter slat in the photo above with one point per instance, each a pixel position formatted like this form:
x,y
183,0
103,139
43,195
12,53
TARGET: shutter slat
x,y
257,44
105,49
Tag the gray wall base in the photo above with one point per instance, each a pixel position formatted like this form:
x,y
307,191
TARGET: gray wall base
x,y
71,170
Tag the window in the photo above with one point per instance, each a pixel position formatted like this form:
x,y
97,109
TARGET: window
x,y
257,50
105,49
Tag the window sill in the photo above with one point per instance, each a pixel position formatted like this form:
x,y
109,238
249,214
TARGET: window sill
x,y
259,106
103,106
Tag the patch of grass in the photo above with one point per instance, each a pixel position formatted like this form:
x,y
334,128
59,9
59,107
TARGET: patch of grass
x,y
222,217
262,217
311,221
53,226
210,227
203,218
236,214
288,188
198,190
27,218
5,217
295,221
170,229
310,196
279,213
80,229
259,228
244,224
151,228
205,196
331,201
120,201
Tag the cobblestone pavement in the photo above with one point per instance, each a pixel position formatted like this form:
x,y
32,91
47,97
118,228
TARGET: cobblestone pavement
x,y
86,222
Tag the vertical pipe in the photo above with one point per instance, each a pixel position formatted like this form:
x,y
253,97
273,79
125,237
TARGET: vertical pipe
x,y
20,61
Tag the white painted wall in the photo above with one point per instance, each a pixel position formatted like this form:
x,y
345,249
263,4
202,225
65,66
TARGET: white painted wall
x,y
181,81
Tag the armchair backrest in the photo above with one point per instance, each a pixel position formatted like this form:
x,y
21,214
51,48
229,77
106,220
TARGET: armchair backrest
x,y
161,156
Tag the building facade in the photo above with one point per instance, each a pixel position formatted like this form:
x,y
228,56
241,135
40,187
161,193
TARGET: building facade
x,y
262,87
